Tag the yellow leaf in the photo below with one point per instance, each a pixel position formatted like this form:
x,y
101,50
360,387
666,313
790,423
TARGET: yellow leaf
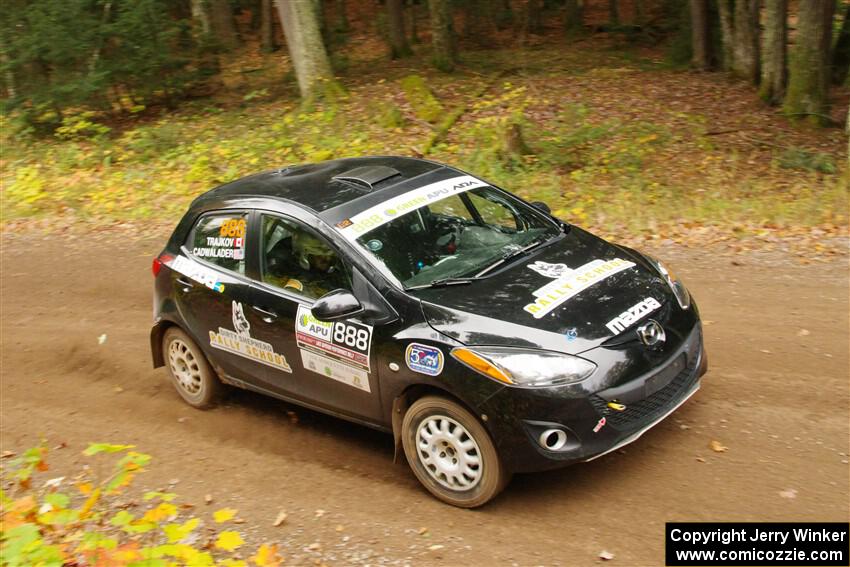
x,y
85,487
229,541
161,512
89,504
233,563
267,556
223,515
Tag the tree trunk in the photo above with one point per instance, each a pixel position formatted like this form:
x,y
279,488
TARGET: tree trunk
x,y
266,26
746,37
442,35
306,49
774,58
201,15
727,33
841,58
534,16
395,20
613,13
700,37
573,17
342,23
479,22
413,20
808,85
221,18
504,14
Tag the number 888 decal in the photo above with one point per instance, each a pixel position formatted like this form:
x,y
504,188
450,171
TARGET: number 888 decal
x,y
352,336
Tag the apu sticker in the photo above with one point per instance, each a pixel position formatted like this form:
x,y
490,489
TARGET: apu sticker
x,y
348,342
240,343
424,359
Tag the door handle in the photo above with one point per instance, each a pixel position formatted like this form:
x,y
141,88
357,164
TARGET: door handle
x,y
267,316
186,285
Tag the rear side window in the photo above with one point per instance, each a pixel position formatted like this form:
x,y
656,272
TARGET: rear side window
x,y
220,239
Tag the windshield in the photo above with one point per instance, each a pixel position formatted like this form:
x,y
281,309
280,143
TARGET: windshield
x,y
457,236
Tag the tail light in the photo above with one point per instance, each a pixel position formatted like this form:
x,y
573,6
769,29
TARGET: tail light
x,y
159,261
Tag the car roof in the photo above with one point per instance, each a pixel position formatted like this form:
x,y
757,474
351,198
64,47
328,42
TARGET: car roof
x,y
334,184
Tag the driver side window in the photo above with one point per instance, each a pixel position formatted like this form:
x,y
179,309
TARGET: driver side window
x,y
494,213
296,260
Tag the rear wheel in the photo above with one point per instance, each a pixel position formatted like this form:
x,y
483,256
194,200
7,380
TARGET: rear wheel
x,y
191,374
451,453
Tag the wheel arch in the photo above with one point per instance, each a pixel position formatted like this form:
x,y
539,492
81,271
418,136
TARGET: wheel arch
x,y
406,398
157,332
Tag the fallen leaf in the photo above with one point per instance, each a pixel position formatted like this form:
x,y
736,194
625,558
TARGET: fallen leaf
x,y
789,493
765,351
803,333
229,541
436,547
223,515
700,459
606,555
717,447
208,498
8,454
423,531
101,339
320,513
280,519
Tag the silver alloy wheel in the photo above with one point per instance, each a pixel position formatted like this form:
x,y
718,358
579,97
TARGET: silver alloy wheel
x,y
449,453
185,367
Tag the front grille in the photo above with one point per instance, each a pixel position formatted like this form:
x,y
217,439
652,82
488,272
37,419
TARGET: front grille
x,y
639,413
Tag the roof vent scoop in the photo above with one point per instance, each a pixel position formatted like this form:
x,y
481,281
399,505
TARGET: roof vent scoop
x,y
368,175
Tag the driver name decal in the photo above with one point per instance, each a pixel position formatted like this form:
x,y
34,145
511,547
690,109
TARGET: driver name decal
x,y
240,343
391,209
553,294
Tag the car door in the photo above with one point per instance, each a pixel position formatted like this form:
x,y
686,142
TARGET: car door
x,y
212,292
332,363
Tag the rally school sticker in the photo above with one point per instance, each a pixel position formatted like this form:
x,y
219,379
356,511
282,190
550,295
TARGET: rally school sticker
x,y
240,342
424,359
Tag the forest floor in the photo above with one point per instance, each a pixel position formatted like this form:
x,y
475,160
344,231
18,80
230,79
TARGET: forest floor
x,y
619,142
775,396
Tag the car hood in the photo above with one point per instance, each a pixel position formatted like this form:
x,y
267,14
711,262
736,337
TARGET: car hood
x,y
560,297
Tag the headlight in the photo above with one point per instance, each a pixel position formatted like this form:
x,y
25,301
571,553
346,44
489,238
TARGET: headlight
x,y
676,285
525,368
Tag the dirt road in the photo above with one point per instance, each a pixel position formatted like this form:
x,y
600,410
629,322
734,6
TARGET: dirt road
x,y
776,395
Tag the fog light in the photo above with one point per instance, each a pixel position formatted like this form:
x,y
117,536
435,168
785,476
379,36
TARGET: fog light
x,y
553,439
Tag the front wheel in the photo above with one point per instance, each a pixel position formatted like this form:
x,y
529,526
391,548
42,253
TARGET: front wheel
x,y
451,453
191,374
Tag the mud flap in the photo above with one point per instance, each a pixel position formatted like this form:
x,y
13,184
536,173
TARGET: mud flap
x,y
400,405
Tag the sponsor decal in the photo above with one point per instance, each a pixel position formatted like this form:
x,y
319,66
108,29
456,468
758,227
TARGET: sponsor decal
x,y
424,359
335,370
599,425
634,314
240,343
571,334
556,292
197,272
415,199
550,270
348,342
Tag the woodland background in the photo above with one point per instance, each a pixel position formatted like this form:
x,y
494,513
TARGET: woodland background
x,y
664,118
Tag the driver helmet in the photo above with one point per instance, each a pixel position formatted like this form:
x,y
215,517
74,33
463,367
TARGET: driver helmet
x,y
306,246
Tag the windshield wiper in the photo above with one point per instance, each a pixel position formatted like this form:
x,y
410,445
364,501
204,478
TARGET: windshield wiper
x,y
444,282
511,254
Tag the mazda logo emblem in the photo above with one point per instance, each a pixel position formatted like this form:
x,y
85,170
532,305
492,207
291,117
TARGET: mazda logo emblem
x,y
652,333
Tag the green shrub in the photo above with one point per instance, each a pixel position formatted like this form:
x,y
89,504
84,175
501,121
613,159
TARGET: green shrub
x,y
425,104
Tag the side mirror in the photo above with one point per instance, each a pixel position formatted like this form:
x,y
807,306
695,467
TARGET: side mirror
x,y
542,206
337,304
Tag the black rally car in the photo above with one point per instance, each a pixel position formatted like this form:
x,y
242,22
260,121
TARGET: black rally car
x,y
488,336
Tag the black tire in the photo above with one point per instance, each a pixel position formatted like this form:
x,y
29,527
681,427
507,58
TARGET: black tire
x,y
190,373
435,461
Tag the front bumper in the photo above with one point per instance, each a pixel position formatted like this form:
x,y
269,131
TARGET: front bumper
x,y
593,428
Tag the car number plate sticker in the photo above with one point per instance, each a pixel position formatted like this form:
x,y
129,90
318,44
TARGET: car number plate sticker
x,y
348,342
